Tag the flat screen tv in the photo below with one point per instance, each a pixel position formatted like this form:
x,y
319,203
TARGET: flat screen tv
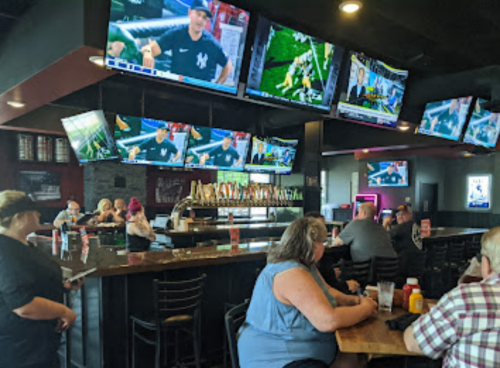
x,y
373,91
272,155
293,67
445,119
388,174
483,128
89,135
150,141
188,41
219,149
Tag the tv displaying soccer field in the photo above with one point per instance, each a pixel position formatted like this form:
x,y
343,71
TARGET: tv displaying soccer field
x,y
484,126
373,92
187,41
218,149
388,174
292,67
272,155
445,119
89,136
150,141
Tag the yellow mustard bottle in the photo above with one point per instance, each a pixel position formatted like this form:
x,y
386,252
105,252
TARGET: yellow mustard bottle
x,y
416,301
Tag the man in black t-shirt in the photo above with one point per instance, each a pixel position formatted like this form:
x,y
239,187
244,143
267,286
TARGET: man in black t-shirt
x,y
390,177
224,155
158,148
447,121
195,52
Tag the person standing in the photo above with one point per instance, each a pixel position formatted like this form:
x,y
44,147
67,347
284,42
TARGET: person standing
x,y
32,313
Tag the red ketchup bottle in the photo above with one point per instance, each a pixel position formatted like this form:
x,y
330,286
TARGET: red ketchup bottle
x,y
411,283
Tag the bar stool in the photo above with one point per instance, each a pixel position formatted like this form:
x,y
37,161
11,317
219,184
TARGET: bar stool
x,y
358,271
233,320
177,308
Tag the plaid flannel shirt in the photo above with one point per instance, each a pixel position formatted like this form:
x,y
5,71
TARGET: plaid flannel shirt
x,y
464,327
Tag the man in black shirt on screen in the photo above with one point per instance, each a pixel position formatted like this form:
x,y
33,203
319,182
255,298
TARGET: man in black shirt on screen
x,y
448,120
390,177
224,155
158,148
195,52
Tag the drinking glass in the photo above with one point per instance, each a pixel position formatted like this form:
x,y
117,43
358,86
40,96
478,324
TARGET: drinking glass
x,y
385,295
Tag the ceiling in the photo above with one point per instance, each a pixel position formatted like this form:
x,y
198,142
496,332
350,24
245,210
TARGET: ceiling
x,y
10,11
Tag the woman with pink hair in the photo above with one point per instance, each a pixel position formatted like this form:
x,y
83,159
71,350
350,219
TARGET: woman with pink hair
x,y
139,232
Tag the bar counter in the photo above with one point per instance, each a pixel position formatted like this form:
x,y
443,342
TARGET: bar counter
x,y
454,232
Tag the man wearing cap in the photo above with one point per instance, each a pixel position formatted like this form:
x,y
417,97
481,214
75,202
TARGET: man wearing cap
x,y
224,155
70,215
194,51
390,177
158,148
464,327
405,236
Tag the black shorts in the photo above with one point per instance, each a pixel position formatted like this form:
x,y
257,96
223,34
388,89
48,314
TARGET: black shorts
x,y
307,363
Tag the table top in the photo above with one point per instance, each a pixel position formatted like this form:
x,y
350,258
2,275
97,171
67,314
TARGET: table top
x,y
373,335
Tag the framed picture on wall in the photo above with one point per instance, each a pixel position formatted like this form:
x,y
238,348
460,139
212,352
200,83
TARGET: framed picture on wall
x,y
479,192
169,190
41,185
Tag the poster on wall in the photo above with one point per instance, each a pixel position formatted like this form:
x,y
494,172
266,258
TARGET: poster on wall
x,y
478,193
169,190
41,185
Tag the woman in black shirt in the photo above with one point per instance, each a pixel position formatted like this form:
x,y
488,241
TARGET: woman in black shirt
x,y
32,315
139,232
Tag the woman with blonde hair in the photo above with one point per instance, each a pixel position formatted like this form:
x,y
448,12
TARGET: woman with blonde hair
x,y
293,313
120,209
105,212
32,313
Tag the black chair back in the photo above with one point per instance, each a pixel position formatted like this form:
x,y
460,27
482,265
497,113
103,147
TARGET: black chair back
x,y
456,252
177,298
358,271
416,267
234,319
385,268
472,247
437,256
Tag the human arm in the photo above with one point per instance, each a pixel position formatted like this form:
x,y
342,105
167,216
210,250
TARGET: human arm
x,y
297,287
45,309
141,227
177,155
133,152
149,52
338,242
342,299
61,218
225,72
410,341
387,221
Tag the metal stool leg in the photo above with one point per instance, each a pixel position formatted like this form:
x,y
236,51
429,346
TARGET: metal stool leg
x,y
158,349
196,345
133,344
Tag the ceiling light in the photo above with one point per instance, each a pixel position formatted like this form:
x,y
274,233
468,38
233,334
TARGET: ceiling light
x,y
404,128
97,60
16,104
350,6
468,154
366,150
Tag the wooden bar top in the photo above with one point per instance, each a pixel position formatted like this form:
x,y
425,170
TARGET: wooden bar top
x,y
373,336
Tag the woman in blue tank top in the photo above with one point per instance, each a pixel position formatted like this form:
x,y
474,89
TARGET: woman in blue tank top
x,y
293,313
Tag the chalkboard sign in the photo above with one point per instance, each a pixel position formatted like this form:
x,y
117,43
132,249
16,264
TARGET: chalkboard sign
x,y
169,190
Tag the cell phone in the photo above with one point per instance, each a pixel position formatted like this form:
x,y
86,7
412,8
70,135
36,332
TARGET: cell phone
x,y
82,274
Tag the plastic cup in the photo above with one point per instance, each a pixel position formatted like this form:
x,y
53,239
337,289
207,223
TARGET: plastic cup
x,y
385,294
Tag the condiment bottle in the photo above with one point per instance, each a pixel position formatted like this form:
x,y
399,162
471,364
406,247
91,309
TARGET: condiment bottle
x,y
416,301
411,283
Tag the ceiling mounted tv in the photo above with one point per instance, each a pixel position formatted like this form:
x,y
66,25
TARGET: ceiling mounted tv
x,y
151,142
89,136
189,41
272,155
484,126
292,67
373,92
219,149
445,119
388,174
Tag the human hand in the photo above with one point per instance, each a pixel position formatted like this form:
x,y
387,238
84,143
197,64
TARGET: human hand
x,y
66,320
353,285
75,285
387,221
147,58
369,306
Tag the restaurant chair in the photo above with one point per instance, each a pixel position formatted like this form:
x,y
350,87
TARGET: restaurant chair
x,y
385,268
233,320
177,309
455,263
434,277
472,247
437,256
416,267
358,271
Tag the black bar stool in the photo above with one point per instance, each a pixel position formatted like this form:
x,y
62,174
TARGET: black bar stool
x,y
233,319
177,308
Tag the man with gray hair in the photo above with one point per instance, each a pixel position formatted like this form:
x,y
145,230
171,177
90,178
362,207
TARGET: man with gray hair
x,y
70,215
366,238
464,327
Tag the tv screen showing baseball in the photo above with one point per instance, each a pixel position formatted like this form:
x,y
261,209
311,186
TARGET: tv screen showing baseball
x,y
388,174
198,42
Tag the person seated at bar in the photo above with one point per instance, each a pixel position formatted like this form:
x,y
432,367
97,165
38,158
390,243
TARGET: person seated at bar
x,y
105,212
464,327
330,275
120,209
405,236
139,231
294,313
366,238
70,215
32,313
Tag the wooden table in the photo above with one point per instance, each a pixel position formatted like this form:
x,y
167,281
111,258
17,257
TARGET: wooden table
x,y
373,336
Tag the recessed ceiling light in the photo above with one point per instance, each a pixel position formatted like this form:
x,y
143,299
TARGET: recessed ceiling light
x,y
366,150
350,6
97,60
468,154
404,128
16,104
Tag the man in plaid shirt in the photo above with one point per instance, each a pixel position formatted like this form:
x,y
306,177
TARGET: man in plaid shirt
x,y
464,327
